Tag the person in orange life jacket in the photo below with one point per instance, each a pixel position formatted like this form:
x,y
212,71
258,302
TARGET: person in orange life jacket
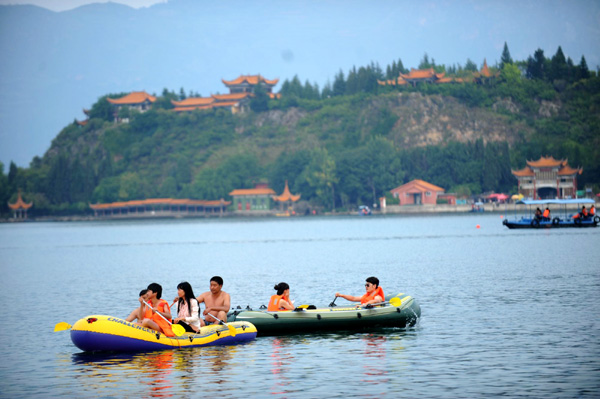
x,y
135,312
373,295
583,214
187,308
593,211
546,214
281,301
150,316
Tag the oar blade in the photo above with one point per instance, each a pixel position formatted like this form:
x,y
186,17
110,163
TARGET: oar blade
x,y
62,326
395,301
232,331
178,329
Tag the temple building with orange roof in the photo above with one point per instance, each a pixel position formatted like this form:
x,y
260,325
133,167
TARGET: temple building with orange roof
x,y
241,90
286,199
548,178
20,207
253,199
484,76
418,76
160,207
420,192
136,100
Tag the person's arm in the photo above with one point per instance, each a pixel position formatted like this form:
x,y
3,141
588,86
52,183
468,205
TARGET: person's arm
x,y
348,297
376,299
285,304
165,312
141,310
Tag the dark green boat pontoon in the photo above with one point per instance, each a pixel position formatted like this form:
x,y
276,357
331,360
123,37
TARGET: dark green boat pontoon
x,y
399,311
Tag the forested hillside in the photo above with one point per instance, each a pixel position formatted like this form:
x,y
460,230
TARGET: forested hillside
x,y
340,146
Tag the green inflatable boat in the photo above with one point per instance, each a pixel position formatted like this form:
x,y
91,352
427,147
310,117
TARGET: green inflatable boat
x,y
398,311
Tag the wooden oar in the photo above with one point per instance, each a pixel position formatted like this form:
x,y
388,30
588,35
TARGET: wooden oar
x,y
62,326
231,328
177,329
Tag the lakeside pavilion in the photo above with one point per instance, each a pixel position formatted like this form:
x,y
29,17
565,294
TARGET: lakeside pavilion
x,y
548,178
156,207
420,192
20,207
286,199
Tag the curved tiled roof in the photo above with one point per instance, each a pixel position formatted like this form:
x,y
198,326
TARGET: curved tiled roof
x,y
250,79
158,201
523,172
135,97
422,74
20,204
232,96
545,162
252,191
567,171
193,101
419,186
286,195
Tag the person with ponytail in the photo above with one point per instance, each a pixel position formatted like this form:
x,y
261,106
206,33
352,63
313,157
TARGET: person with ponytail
x,y
187,308
281,301
373,295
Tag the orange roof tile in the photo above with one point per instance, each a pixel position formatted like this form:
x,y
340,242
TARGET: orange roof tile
x,y
422,74
286,195
158,201
136,97
250,79
526,171
20,204
188,109
545,162
193,101
485,71
252,191
418,185
234,96
567,171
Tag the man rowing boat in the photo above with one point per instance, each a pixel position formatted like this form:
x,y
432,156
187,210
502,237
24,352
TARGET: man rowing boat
x,y
216,301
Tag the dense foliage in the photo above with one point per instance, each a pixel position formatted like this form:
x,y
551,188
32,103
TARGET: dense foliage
x,y
342,146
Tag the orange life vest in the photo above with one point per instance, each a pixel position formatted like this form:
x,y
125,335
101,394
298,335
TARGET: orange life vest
x,y
162,323
546,213
274,303
585,212
592,211
367,297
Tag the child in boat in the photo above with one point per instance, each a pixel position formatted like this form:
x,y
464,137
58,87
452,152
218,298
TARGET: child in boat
x,y
135,312
187,308
280,301
373,295
151,316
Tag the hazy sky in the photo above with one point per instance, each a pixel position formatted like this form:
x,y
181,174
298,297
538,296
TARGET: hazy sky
x,y
62,5
73,57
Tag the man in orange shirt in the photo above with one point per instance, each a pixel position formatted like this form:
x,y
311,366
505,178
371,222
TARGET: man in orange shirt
x,y
151,316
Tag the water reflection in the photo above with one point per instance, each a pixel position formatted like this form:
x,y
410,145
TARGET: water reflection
x,y
374,365
281,360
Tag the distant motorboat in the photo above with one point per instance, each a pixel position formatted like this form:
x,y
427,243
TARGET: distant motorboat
x,y
364,210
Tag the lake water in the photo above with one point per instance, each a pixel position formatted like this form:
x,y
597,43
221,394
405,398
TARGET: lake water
x,y
504,312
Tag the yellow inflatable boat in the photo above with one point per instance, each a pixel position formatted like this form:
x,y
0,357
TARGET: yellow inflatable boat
x,y
106,333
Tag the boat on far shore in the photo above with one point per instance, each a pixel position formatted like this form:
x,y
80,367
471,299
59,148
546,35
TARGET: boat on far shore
x,y
561,218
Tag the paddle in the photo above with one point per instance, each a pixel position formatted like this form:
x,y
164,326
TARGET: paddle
x,y
62,326
231,328
332,304
395,301
177,329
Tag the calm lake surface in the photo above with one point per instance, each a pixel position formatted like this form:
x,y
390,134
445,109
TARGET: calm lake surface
x,y
504,312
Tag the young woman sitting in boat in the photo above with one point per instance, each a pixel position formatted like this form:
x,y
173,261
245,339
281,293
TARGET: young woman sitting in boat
x,y
187,308
151,310
373,295
280,301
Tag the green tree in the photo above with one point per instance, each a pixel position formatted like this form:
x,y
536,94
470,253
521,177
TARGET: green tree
x,y
321,176
559,69
260,100
505,58
536,66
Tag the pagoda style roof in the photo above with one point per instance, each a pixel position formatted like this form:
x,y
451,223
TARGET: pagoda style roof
x,y
135,97
232,96
252,191
83,122
485,71
20,204
250,79
547,162
193,102
569,171
159,201
526,171
417,74
417,186
286,195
